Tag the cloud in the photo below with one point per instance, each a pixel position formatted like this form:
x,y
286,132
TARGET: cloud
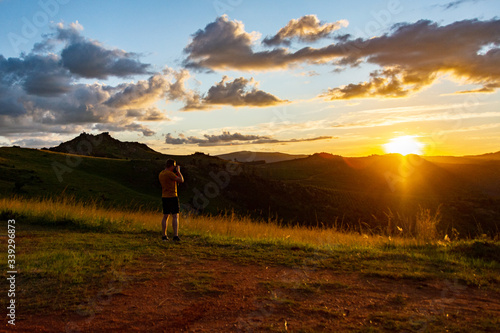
x,y
387,83
39,91
239,92
140,94
36,143
91,60
228,139
234,93
11,104
177,91
82,105
456,4
308,28
88,58
389,117
414,55
151,114
487,88
411,55
120,127
38,75
225,44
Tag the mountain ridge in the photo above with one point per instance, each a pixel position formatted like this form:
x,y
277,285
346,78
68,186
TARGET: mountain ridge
x,y
104,145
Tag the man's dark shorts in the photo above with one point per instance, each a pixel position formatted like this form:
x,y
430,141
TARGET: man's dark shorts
x,y
170,205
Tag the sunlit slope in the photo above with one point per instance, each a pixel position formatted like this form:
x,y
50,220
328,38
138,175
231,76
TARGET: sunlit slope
x,y
30,172
369,187
113,182
383,175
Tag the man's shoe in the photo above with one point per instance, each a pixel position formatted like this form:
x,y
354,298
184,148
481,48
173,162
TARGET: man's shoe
x,y
177,239
164,238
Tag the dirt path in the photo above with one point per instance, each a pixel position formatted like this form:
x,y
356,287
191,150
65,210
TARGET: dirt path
x,y
220,296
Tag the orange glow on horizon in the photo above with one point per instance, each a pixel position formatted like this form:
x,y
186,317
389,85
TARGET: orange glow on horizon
x,y
404,145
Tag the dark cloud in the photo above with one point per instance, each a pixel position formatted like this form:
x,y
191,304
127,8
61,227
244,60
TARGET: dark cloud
x,y
88,58
411,55
225,44
11,101
228,139
39,91
37,74
83,105
121,127
234,93
308,28
92,60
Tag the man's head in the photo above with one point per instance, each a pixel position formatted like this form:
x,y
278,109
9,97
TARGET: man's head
x,y
170,164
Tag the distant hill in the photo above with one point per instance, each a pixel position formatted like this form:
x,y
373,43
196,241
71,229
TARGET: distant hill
x,y
103,145
268,157
379,192
468,159
488,156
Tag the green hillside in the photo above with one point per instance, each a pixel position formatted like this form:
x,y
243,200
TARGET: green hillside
x,y
35,173
380,194
123,183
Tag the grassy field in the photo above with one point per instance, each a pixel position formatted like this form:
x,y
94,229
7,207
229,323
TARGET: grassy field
x,y
373,194
68,251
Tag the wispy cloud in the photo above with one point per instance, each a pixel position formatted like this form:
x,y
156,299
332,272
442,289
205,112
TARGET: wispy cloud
x,y
231,139
388,117
456,4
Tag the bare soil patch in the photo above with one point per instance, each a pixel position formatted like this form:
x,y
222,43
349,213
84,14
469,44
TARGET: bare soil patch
x,y
221,296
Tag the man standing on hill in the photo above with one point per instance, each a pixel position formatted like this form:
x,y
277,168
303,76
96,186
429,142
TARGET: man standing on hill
x,y
169,178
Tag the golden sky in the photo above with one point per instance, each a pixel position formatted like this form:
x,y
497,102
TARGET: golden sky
x,y
303,78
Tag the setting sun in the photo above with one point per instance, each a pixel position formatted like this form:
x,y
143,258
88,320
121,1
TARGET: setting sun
x,y
404,145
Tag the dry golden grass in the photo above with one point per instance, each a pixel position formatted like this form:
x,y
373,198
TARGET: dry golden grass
x,y
210,226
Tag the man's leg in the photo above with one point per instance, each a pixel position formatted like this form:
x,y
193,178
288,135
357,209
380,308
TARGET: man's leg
x,y
164,224
175,224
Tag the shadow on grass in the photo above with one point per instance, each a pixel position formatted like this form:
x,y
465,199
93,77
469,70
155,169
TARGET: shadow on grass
x,y
97,225
479,249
